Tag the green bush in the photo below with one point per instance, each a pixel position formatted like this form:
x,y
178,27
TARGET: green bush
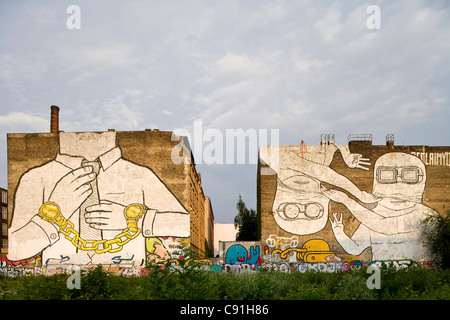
x,y
191,281
436,237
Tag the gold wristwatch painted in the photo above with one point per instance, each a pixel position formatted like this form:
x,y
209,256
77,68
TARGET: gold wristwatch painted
x,y
51,212
133,212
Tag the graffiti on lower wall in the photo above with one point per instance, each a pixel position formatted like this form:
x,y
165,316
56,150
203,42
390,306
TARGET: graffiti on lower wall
x,y
7,268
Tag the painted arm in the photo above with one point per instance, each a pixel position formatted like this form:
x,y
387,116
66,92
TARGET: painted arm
x,y
328,175
354,245
166,216
386,225
353,160
29,233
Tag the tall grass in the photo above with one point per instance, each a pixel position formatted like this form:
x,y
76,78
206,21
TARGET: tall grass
x,y
196,284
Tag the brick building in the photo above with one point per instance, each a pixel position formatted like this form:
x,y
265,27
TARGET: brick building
x,y
140,169
330,203
209,226
4,231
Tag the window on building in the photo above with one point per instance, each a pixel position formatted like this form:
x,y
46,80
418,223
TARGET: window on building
x,y
4,243
4,197
4,229
4,213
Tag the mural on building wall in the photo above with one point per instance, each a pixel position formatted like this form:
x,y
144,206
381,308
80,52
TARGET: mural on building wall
x,y
300,205
389,216
91,206
392,227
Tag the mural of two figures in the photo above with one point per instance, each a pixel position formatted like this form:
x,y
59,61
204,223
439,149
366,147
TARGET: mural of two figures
x,y
389,216
91,206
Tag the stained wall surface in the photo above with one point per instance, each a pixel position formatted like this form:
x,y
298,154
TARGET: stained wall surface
x,y
97,198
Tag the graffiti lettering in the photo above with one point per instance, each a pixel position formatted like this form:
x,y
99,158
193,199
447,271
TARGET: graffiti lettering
x,y
434,158
208,265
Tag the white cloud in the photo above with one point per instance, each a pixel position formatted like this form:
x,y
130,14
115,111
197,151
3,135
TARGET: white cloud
x,y
329,25
270,11
19,75
23,122
310,65
82,77
239,64
305,67
121,111
99,56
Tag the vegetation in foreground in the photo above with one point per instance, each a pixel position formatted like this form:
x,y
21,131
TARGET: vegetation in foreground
x,y
164,282
195,284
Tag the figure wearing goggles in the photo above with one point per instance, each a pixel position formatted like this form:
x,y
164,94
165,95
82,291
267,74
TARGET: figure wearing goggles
x,y
391,228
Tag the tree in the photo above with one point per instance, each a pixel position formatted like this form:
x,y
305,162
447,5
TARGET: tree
x,y
436,234
246,222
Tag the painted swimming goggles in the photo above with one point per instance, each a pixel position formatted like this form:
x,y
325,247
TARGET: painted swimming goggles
x,y
296,211
399,174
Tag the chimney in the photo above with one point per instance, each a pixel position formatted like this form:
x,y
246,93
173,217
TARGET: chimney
x,y
390,141
54,119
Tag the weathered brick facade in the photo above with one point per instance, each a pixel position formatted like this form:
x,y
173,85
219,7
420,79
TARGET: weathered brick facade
x,y
141,154
293,187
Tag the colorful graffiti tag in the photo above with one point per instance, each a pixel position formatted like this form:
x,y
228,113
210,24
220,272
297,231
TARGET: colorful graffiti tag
x,y
8,269
238,254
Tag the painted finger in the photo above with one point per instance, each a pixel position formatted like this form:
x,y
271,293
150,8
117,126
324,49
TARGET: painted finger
x,y
81,171
84,191
97,220
98,226
98,208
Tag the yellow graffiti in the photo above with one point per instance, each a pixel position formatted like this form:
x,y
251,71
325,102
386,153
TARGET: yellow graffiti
x,y
177,261
51,212
312,251
150,244
316,251
350,257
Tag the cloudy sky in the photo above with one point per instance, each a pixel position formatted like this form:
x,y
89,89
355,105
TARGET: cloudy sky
x,y
303,67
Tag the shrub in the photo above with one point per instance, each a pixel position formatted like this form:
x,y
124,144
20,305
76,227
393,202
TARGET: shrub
x,y
165,282
436,237
353,286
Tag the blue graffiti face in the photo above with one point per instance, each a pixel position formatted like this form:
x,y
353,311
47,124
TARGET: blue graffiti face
x,y
236,254
239,254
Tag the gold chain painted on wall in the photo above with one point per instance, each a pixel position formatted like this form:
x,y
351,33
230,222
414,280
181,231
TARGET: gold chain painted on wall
x,y
51,212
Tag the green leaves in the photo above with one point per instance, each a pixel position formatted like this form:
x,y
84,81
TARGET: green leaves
x,y
245,220
193,282
436,237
